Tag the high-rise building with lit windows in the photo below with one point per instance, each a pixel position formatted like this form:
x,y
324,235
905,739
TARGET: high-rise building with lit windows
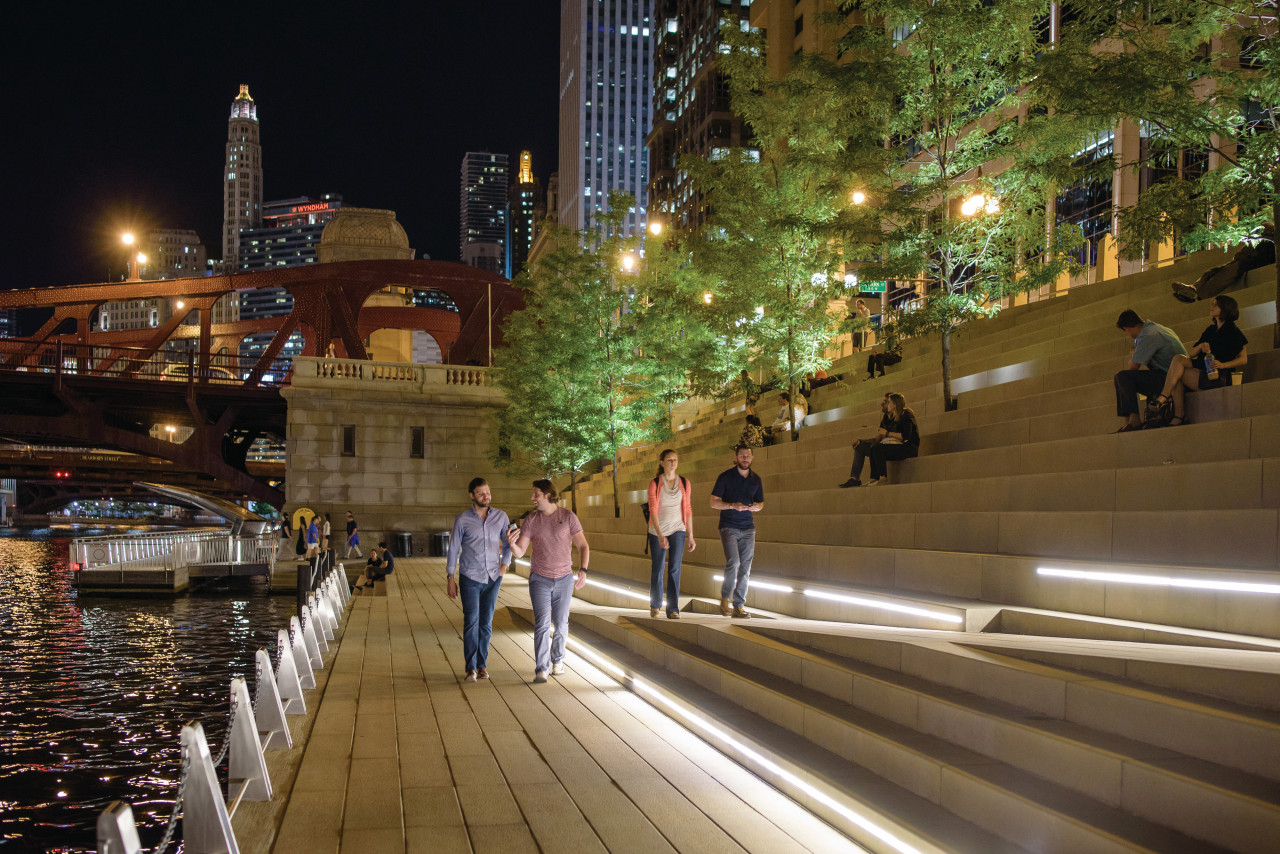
x,y
691,112
523,203
290,232
483,229
242,177
8,323
606,95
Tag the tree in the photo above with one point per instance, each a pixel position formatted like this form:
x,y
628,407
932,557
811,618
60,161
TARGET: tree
x,y
961,196
1202,80
773,246
575,386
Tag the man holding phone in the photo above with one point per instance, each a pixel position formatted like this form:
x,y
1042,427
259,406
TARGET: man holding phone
x,y
480,553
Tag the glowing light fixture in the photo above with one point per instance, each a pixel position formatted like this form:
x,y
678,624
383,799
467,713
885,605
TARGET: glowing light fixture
x,y
763,585
180,304
126,239
707,297
628,262
859,197
655,228
1160,580
886,606
973,204
142,259
740,751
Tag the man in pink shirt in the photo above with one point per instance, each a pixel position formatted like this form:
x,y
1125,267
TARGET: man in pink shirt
x,y
553,531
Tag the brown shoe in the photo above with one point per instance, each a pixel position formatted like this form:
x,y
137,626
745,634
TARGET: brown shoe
x,y
673,615
725,608
482,673
653,612
741,614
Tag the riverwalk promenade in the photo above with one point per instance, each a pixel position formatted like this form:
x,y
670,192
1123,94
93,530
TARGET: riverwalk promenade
x,y
404,756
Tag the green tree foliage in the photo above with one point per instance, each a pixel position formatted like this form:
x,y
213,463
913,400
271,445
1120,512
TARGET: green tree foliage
x,y
961,196
577,386
1203,81
773,244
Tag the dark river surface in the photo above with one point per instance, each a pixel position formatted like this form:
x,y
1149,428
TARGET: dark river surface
x,y
94,691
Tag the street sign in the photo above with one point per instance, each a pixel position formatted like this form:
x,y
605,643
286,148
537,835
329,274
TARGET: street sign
x,y
873,287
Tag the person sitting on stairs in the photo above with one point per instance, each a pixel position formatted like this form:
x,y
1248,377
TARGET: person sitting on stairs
x,y
1154,347
1224,342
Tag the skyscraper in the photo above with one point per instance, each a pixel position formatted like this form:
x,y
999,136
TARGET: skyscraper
x,y
691,113
242,174
483,229
522,204
606,95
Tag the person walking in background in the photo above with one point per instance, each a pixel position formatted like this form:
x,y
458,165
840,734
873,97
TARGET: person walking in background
x,y
480,553
553,531
737,494
353,536
325,532
670,527
1154,347
313,538
901,439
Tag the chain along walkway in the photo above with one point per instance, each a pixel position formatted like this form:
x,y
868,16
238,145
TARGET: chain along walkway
x,y
405,756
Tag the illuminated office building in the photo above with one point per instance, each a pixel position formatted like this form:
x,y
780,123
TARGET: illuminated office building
x,y
606,95
242,177
483,227
523,204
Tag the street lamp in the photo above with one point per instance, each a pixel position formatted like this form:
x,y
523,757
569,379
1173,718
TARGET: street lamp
x,y
170,429
628,262
135,264
859,197
979,202
655,228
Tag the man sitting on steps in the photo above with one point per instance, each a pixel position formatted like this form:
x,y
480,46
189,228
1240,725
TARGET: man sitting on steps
x,y
1154,347
381,564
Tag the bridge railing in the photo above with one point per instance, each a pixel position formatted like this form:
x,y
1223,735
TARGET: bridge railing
x,y
21,355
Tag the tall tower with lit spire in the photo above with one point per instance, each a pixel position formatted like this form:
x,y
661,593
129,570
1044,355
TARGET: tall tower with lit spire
x,y
242,177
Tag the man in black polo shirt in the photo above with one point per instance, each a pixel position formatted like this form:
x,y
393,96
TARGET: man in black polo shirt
x,y
737,494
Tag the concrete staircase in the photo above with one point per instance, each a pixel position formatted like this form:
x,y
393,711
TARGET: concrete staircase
x,y
1040,635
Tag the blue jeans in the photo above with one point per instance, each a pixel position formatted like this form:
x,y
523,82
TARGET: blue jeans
x,y
478,601
550,598
674,554
739,548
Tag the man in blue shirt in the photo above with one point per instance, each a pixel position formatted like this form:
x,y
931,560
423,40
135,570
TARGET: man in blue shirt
x,y
738,493
1154,347
480,552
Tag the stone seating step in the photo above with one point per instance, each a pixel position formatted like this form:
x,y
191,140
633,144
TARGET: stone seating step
x,y
1142,771
974,786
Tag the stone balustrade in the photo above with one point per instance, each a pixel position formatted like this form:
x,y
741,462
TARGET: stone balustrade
x,y
311,372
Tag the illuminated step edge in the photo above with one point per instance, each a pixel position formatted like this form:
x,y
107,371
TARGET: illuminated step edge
x,y
629,592
1109,577
860,823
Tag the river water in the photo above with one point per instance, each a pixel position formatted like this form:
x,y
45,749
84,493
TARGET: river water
x,y
94,691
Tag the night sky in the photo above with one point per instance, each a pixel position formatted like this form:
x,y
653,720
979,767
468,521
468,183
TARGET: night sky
x,y
117,115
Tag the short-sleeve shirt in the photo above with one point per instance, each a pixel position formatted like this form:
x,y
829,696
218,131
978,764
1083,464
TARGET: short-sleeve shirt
x,y
551,535
1225,343
313,533
1156,346
732,488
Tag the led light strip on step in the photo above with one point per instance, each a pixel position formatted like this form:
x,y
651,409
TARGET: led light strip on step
x,y
612,588
887,606
763,585
1159,580
737,750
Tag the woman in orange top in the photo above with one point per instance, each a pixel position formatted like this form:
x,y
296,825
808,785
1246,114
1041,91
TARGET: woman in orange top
x,y
670,526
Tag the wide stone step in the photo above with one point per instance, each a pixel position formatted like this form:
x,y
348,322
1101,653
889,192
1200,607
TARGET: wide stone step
x,y
1020,807
1119,771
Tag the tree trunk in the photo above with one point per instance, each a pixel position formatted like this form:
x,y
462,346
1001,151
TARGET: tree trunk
x,y
1275,243
948,402
573,489
617,509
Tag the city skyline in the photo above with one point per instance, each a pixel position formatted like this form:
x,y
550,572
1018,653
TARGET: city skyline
x,y
111,144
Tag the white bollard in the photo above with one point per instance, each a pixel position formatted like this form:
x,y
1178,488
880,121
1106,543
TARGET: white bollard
x,y
270,712
288,683
301,654
310,640
206,828
247,767
117,832
318,625
325,606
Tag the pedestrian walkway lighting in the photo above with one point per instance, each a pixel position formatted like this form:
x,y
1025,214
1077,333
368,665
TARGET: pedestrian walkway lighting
x,y
706,297
859,197
628,262
886,606
655,228
1159,580
978,202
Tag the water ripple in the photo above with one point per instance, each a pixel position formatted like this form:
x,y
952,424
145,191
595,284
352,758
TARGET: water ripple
x,y
95,690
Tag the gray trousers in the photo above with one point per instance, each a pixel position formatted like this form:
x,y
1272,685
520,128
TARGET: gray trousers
x,y
550,598
739,548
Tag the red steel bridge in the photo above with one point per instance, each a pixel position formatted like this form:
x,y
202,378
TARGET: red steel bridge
x,y
68,385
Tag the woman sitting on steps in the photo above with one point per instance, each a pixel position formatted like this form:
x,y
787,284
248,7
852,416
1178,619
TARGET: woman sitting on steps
x,y
1221,339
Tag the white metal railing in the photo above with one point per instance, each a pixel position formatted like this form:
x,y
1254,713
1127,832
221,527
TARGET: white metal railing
x,y
255,724
170,551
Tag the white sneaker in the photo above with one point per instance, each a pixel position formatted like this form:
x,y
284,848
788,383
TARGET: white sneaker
x,y
540,677
557,669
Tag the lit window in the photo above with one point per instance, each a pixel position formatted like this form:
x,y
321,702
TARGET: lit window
x,y
672,25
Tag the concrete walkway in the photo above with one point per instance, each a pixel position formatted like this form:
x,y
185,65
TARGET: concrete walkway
x,y
406,757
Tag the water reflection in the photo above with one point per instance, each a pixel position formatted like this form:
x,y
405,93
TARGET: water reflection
x,y
94,691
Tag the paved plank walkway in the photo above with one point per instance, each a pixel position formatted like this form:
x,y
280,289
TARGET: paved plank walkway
x,y
406,757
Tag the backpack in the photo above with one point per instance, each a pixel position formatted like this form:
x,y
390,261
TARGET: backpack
x,y
644,508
